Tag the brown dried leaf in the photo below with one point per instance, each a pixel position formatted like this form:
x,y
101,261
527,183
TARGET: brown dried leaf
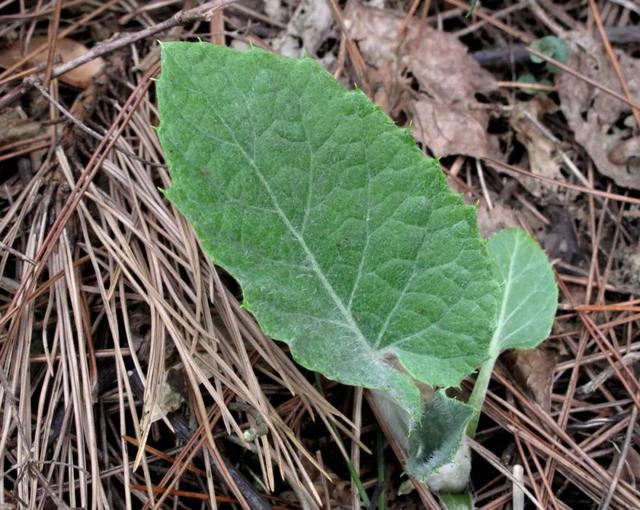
x,y
451,129
631,471
600,122
447,116
67,49
17,126
497,218
533,370
173,389
170,395
544,159
626,152
626,273
561,241
306,31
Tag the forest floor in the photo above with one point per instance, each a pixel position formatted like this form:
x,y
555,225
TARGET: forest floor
x,y
106,298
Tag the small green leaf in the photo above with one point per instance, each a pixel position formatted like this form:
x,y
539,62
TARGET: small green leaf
x,y
345,239
552,46
530,293
529,78
438,454
435,446
528,305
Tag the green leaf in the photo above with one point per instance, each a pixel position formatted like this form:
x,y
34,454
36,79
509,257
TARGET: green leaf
x,y
530,293
528,304
552,46
345,239
438,454
435,446
529,78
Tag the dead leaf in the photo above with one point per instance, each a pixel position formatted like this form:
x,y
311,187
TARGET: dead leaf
x,y
561,241
497,218
273,9
310,25
627,152
449,129
173,389
626,272
66,49
170,393
599,121
631,471
446,114
533,370
544,159
16,125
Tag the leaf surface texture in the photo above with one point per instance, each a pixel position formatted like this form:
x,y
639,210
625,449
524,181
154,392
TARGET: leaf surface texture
x,y
530,293
346,240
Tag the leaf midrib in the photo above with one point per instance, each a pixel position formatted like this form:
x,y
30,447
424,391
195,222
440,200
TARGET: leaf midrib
x,y
496,339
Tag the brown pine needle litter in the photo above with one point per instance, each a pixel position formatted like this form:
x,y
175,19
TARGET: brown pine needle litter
x,y
131,376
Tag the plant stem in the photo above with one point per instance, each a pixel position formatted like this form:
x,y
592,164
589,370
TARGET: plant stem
x,y
381,478
462,501
476,400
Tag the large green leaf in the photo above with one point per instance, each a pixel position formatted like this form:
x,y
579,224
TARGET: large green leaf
x,y
345,239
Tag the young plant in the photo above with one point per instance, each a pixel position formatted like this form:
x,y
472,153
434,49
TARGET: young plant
x,y
346,240
552,46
